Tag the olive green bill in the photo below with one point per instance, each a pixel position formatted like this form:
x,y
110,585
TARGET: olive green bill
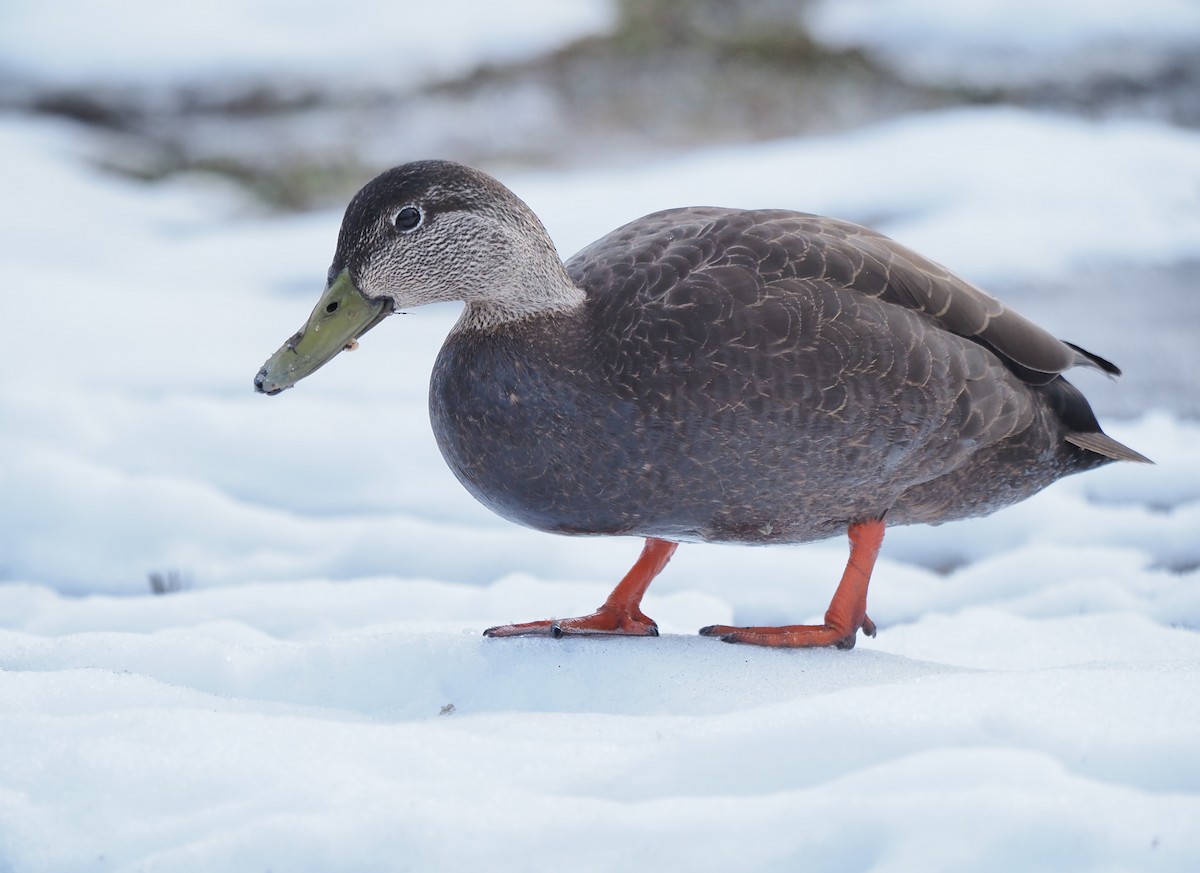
x,y
340,317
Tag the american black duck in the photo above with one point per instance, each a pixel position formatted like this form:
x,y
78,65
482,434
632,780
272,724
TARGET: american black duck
x,y
724,375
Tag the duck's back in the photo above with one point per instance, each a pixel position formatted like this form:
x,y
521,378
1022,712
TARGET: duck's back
x,y
758,376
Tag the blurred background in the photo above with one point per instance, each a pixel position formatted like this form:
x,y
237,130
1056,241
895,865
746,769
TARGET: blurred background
x,y
299,102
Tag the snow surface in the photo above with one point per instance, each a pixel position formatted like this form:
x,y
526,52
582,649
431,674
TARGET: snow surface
x,y
351,42
987,42
318,697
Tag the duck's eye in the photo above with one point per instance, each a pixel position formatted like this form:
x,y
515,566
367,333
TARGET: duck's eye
x,y
407,218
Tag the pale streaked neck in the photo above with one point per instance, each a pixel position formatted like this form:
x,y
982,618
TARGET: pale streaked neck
x,y
537,295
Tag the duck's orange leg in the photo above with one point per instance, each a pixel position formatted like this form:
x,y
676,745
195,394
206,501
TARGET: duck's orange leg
x,y
621,612
847,612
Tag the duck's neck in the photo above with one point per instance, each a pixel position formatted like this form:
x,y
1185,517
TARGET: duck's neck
x,y
532,286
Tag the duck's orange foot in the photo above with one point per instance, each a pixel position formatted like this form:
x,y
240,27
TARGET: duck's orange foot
x,y
796,636
603,622
621,614
847,613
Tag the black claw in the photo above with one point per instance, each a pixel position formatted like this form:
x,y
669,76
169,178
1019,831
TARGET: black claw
x,y
847,642
653,631
556,631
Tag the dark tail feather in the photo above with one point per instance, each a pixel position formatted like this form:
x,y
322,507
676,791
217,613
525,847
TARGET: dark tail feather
x,y
1075,412
1097,361
1103,444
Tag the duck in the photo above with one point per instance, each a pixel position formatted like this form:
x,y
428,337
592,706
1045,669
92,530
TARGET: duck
x,y
704,374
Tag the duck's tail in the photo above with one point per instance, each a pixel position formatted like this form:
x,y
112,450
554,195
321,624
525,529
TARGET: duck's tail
x,y
1103,444
1092,360
1083,430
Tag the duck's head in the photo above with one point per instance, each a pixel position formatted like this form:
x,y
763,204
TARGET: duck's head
x,y
421,233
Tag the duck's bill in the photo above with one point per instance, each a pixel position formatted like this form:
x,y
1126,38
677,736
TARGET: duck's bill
x,y
340,317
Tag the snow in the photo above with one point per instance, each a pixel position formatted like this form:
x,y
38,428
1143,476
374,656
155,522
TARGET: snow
x,y
1017,42
353,42
318,695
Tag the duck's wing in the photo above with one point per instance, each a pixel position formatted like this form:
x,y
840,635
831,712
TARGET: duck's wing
x,y
880,267
667,265
701,311
896,274
781,245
